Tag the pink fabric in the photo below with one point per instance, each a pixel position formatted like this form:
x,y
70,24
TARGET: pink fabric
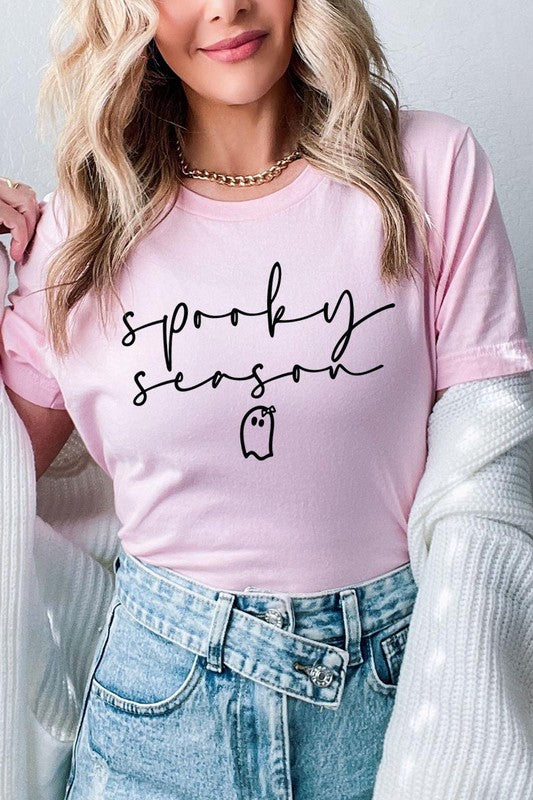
x,y
261,402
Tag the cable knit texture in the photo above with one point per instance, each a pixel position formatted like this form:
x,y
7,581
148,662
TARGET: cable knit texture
x,y
461,726
462,723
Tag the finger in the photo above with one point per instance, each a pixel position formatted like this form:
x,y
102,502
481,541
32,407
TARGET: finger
x,y
24,200
17,225
9,192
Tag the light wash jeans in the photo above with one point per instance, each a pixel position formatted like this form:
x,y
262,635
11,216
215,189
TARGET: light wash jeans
x,y
198,694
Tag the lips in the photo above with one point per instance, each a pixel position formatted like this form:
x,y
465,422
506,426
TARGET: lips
x,y
236,41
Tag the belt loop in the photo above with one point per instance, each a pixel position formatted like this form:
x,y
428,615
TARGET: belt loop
x,y
217,631
289,608
352,625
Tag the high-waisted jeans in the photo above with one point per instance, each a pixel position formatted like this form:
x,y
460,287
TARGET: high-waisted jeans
x,y
199,694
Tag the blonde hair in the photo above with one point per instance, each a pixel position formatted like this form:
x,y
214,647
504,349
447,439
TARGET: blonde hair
x,y
116,155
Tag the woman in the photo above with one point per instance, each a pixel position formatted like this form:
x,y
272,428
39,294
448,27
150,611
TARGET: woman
x,y
260,393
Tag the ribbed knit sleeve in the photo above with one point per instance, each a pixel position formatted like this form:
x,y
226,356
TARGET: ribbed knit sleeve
x,y
462,723
17,499
55,587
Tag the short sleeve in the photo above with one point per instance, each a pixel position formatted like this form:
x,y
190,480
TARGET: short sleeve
x,y
24,350
480,327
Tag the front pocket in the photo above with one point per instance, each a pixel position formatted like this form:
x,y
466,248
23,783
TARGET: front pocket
x,y
384,651
141,672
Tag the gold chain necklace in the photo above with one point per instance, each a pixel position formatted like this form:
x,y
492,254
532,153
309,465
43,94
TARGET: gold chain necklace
x,y
237,180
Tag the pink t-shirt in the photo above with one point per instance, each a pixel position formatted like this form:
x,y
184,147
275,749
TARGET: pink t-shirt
x,y
261,401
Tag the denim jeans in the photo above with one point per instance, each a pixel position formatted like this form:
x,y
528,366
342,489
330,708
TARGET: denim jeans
x,y
197,694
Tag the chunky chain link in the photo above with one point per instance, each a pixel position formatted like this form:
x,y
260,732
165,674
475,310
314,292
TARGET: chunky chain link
x,y
237,180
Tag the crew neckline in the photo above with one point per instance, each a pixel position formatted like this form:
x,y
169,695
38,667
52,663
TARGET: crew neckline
x,y
288,195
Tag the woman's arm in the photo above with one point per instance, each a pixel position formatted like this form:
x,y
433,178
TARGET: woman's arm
x,y
48,429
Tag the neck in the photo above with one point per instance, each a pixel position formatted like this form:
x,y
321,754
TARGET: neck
x,y
240,139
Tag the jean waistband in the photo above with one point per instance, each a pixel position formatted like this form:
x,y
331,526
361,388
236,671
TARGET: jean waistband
x,y
282,633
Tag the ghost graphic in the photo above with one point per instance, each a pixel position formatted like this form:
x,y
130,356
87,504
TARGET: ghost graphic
x,y
257,429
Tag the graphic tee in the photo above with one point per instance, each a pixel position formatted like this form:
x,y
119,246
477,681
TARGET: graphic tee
x,y
261,399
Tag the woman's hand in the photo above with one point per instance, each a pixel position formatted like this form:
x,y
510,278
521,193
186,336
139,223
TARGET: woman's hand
x,y
19,214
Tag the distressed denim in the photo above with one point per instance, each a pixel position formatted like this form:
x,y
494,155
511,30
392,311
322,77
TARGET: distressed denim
x,y
197,694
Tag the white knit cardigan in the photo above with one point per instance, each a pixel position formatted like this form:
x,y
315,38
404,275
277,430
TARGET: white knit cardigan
x,y
462,722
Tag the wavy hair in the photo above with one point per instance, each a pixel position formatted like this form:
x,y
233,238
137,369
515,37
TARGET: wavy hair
x,y
116,157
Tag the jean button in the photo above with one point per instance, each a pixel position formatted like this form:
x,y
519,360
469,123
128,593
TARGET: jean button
x,y
321,676
318,674
273,616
